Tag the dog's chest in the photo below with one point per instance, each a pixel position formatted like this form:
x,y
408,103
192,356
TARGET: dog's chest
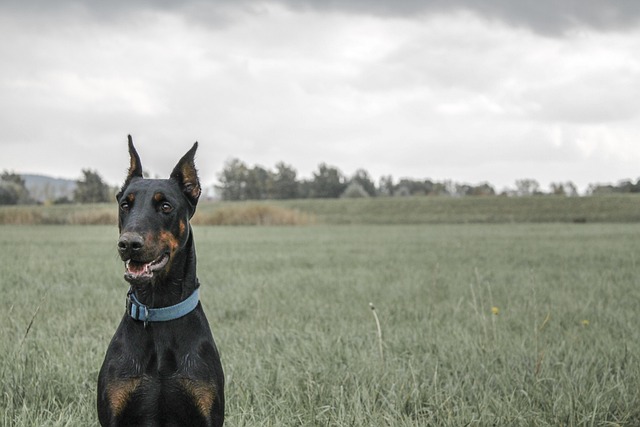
x,y
176,400
163,386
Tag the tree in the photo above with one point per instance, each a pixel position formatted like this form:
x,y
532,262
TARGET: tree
x,y
8,193
463,190
91,188
624,186
354,190
305,189
571,189
285,185
408,187
437,188
12,177
328,182
599,189
259,184
484,189
564,189
233,180
557,189
385,186
527,187
411,187
362,178
13,190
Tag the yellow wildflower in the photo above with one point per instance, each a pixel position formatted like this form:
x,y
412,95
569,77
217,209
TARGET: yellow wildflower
x,y
495,310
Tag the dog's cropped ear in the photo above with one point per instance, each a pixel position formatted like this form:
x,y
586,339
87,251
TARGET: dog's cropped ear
x,y
186,175
135,167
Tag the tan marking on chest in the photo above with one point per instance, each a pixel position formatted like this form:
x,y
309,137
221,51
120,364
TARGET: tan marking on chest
x,y
119,392
202,393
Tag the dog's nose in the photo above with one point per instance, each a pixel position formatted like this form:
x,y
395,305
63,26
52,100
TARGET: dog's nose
x,y
130,243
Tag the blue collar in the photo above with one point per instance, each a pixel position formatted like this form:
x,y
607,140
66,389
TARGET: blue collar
x,y
139,311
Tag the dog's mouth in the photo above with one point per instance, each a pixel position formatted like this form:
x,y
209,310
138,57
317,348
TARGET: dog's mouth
x,y
138,271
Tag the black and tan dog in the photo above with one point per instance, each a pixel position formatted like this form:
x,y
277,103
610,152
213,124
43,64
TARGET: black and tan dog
x,y
162,366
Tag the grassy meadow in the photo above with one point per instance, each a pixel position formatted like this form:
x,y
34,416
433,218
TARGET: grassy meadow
x,y
514,324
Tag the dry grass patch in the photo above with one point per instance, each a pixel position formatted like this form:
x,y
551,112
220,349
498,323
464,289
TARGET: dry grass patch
x,y
94,217
254,214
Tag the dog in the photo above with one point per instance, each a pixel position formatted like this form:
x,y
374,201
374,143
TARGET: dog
x,y
162,367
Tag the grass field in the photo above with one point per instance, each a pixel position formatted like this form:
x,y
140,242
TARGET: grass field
x,y
506,325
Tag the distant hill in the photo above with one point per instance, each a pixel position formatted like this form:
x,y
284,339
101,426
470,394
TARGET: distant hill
x,y
43,188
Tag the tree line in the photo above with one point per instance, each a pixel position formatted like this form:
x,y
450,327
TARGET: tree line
x,y
91,188
238,181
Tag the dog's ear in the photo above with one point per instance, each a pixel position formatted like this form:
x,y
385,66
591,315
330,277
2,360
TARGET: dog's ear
x,y
135,167
186,175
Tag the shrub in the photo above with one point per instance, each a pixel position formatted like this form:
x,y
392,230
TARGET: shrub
x,y
354,190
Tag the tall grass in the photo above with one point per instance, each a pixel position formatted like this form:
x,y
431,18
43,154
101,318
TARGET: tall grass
x,y
253,214
513,325
381,210
107,214
91,214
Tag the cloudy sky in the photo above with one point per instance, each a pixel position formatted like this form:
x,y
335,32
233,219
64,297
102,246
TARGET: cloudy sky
x,y
467,90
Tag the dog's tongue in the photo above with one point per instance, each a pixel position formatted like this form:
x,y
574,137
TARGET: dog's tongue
x,y
137,268
143,271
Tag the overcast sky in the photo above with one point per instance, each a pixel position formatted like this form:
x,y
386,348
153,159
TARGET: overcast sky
x,y
467,90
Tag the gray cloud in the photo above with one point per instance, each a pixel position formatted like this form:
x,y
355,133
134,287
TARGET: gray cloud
x,y
549,17
437,94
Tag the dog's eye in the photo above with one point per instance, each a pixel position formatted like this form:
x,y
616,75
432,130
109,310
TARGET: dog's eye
x,y
166,207
124,206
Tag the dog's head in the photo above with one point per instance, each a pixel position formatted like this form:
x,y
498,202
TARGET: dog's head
x,y
153,217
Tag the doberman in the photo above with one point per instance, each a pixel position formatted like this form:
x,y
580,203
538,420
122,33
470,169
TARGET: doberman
x,y
162,366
